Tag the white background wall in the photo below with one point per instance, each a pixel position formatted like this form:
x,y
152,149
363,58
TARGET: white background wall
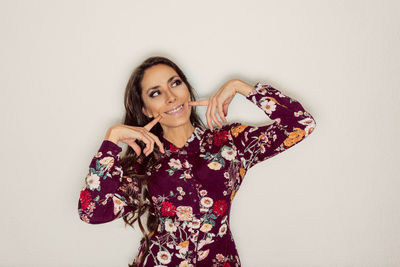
x,y
333,200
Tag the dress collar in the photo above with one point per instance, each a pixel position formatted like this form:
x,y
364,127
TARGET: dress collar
x,y
192,143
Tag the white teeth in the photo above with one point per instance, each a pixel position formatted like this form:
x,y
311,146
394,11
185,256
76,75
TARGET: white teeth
x,y
175,110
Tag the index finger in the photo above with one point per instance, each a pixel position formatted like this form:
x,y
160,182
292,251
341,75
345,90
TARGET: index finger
x,y
203,102
153,122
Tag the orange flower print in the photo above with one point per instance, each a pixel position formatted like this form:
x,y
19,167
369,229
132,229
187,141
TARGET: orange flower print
x,y
238,129
214,165
233,194
294,137
242,172
184,243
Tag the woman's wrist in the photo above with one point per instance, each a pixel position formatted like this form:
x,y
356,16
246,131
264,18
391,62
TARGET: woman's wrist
x,y
242,88
111,136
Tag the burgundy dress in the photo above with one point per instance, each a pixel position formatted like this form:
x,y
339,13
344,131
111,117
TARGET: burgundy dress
x,y
193,187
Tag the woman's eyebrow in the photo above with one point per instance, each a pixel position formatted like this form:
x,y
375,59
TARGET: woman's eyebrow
x,y
154,87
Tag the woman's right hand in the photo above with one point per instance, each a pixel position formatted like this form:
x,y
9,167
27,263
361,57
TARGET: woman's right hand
x,y
129,134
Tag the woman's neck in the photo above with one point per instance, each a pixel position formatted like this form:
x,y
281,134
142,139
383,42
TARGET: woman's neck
x,y
178,135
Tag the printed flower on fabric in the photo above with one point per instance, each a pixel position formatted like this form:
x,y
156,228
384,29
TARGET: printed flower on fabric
x,y
168,209
220,137
206,227
194,223
185,263
219,207
268,105
180,191
177,165
108,162
294,137
206,202
164,257
214,165
203,254
184,213
118,204
228,153
203,192
93,181
173,148
85,199
217,160
102,168
183,247
238,129
170,226
208,240
222,230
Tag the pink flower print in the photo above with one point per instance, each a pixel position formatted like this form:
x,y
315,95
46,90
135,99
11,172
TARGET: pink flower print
x,y
175,163
203,192
220,257
85,218
184,213
109,161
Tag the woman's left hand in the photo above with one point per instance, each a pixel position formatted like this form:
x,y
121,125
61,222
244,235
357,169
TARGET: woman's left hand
x,y
218,102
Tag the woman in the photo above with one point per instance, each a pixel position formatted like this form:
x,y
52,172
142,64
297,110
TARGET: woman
x,y
180,172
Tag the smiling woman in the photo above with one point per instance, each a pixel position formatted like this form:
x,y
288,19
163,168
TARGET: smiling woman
x,y
168,97
176,110
188,180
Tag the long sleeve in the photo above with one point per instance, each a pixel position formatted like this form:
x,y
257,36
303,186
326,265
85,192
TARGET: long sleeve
x,y
292,123
103,198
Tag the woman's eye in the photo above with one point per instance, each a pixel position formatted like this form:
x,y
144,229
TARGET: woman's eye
x,y
152,94
178,81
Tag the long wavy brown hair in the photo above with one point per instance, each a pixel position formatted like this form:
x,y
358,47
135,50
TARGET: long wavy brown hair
x,y
135,166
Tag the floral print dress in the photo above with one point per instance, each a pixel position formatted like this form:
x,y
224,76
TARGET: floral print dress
x,y
193,187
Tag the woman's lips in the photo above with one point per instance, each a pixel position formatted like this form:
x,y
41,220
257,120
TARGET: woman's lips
x,y
180,109
174,107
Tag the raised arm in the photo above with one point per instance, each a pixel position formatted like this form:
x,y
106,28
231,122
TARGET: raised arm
x,y
292,123
103,198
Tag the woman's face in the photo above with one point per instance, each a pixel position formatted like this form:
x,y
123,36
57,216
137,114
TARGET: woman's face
x,y
163,90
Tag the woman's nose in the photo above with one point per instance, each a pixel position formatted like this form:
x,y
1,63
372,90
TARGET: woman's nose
x,y
170,97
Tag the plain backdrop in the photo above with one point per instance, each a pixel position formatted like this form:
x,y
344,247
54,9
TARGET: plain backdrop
x,y
332,200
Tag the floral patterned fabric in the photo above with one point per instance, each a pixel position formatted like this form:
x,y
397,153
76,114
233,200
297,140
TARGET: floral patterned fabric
x,y
193,187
